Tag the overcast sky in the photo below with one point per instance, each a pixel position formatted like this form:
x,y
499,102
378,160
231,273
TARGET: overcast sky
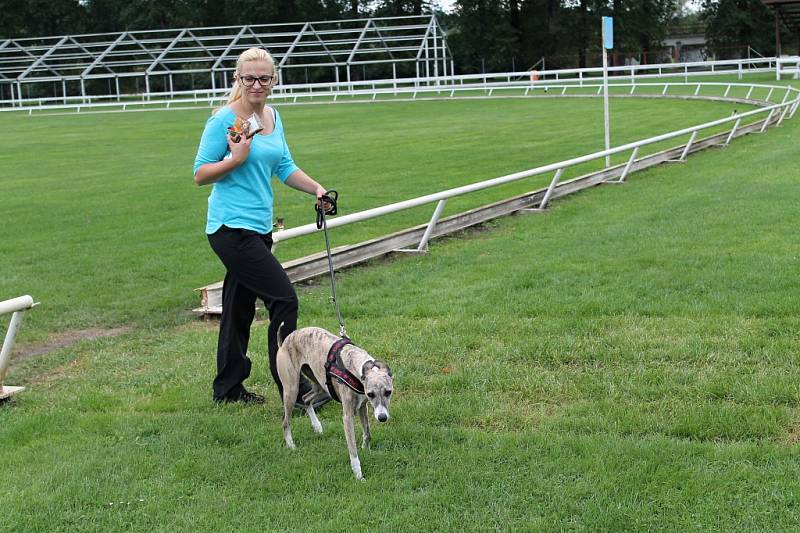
x,y
446,5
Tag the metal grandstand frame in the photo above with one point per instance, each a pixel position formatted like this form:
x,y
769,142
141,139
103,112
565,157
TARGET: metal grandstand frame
x,y
77,65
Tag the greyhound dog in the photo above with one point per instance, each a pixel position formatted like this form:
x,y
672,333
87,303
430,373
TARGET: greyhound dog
x,y
350,374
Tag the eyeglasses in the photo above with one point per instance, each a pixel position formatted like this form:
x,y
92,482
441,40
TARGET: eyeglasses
x,y
249,81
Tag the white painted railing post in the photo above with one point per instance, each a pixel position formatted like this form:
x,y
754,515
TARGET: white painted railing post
x,y
629,165
17,306
783,115
689,144
766,122
550,189
733,132
423,244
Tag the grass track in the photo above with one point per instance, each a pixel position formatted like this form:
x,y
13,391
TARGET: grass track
x,y
626,361
95,199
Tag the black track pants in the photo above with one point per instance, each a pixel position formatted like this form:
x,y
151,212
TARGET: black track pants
x,y
253,272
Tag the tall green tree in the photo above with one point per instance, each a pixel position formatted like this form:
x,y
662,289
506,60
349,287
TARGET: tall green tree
x,y
399,8
482,38
732,25
641,25
38,18
541,30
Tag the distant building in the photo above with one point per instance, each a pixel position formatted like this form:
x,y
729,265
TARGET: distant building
x,y
686,43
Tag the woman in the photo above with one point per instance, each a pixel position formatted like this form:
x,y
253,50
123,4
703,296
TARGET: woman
x,y
239,225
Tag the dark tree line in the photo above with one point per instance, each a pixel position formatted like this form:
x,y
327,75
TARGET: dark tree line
x,y
33,18
501,35
484,35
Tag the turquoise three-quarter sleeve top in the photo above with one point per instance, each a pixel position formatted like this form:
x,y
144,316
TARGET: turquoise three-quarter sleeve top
x,y
243,198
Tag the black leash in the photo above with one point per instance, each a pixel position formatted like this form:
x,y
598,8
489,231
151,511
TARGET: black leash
x,y
331,198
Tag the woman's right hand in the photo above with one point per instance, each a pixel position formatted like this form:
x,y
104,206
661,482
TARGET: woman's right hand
x,y
239,150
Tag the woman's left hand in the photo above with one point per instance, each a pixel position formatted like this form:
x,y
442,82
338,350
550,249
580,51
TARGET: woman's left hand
x,y
326,205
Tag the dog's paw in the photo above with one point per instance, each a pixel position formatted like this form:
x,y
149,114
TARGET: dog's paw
x,y
355,465
317,427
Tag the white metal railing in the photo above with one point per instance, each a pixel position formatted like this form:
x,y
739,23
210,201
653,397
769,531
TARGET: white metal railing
x,y
374,88
17,306
787,66
772,112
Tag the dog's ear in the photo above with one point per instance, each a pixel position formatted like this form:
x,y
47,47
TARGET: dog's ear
x,y
383,366
369,365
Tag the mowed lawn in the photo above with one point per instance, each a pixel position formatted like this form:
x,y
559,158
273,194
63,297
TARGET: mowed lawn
x,y
626,361
105,226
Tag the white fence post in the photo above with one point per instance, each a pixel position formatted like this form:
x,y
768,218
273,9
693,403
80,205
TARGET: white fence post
x,y
17,306
551,188
423,244
630,163
689,144
733,132
783,115
766,122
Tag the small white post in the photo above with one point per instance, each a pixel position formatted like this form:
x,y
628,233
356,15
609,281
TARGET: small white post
x,y
608,41
783,115
733,132
688,146
550,189
17,306
630,163
766,122
423,244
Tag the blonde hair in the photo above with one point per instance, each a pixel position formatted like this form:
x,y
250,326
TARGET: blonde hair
x,y
251,54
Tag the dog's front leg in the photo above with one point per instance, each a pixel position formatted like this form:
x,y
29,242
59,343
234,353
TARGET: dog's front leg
x,y
350,433
364,416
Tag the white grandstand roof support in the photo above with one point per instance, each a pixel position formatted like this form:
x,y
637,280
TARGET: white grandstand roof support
x,y
322,43
103,54
182,53
88,53
358,42
424,43
40,60
230,47
198,41
166,50
385,44
143,47
293,45
3,45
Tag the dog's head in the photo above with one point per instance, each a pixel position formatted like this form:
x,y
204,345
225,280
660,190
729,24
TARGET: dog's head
x,y
378,386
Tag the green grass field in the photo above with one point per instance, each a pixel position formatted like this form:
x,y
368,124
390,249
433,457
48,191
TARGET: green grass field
x,y
625,361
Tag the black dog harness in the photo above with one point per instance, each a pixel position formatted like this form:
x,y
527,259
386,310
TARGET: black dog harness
x,y
335,369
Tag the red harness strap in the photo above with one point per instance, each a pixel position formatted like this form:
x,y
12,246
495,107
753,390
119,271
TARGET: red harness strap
x,y
334,368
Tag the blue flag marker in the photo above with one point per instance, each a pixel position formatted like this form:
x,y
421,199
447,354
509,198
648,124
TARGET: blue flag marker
x,y
608,33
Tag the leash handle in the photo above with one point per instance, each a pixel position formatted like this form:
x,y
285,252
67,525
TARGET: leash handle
x,y
331,197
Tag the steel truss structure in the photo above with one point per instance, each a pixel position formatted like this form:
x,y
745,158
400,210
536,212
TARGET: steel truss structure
x,y
136,62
